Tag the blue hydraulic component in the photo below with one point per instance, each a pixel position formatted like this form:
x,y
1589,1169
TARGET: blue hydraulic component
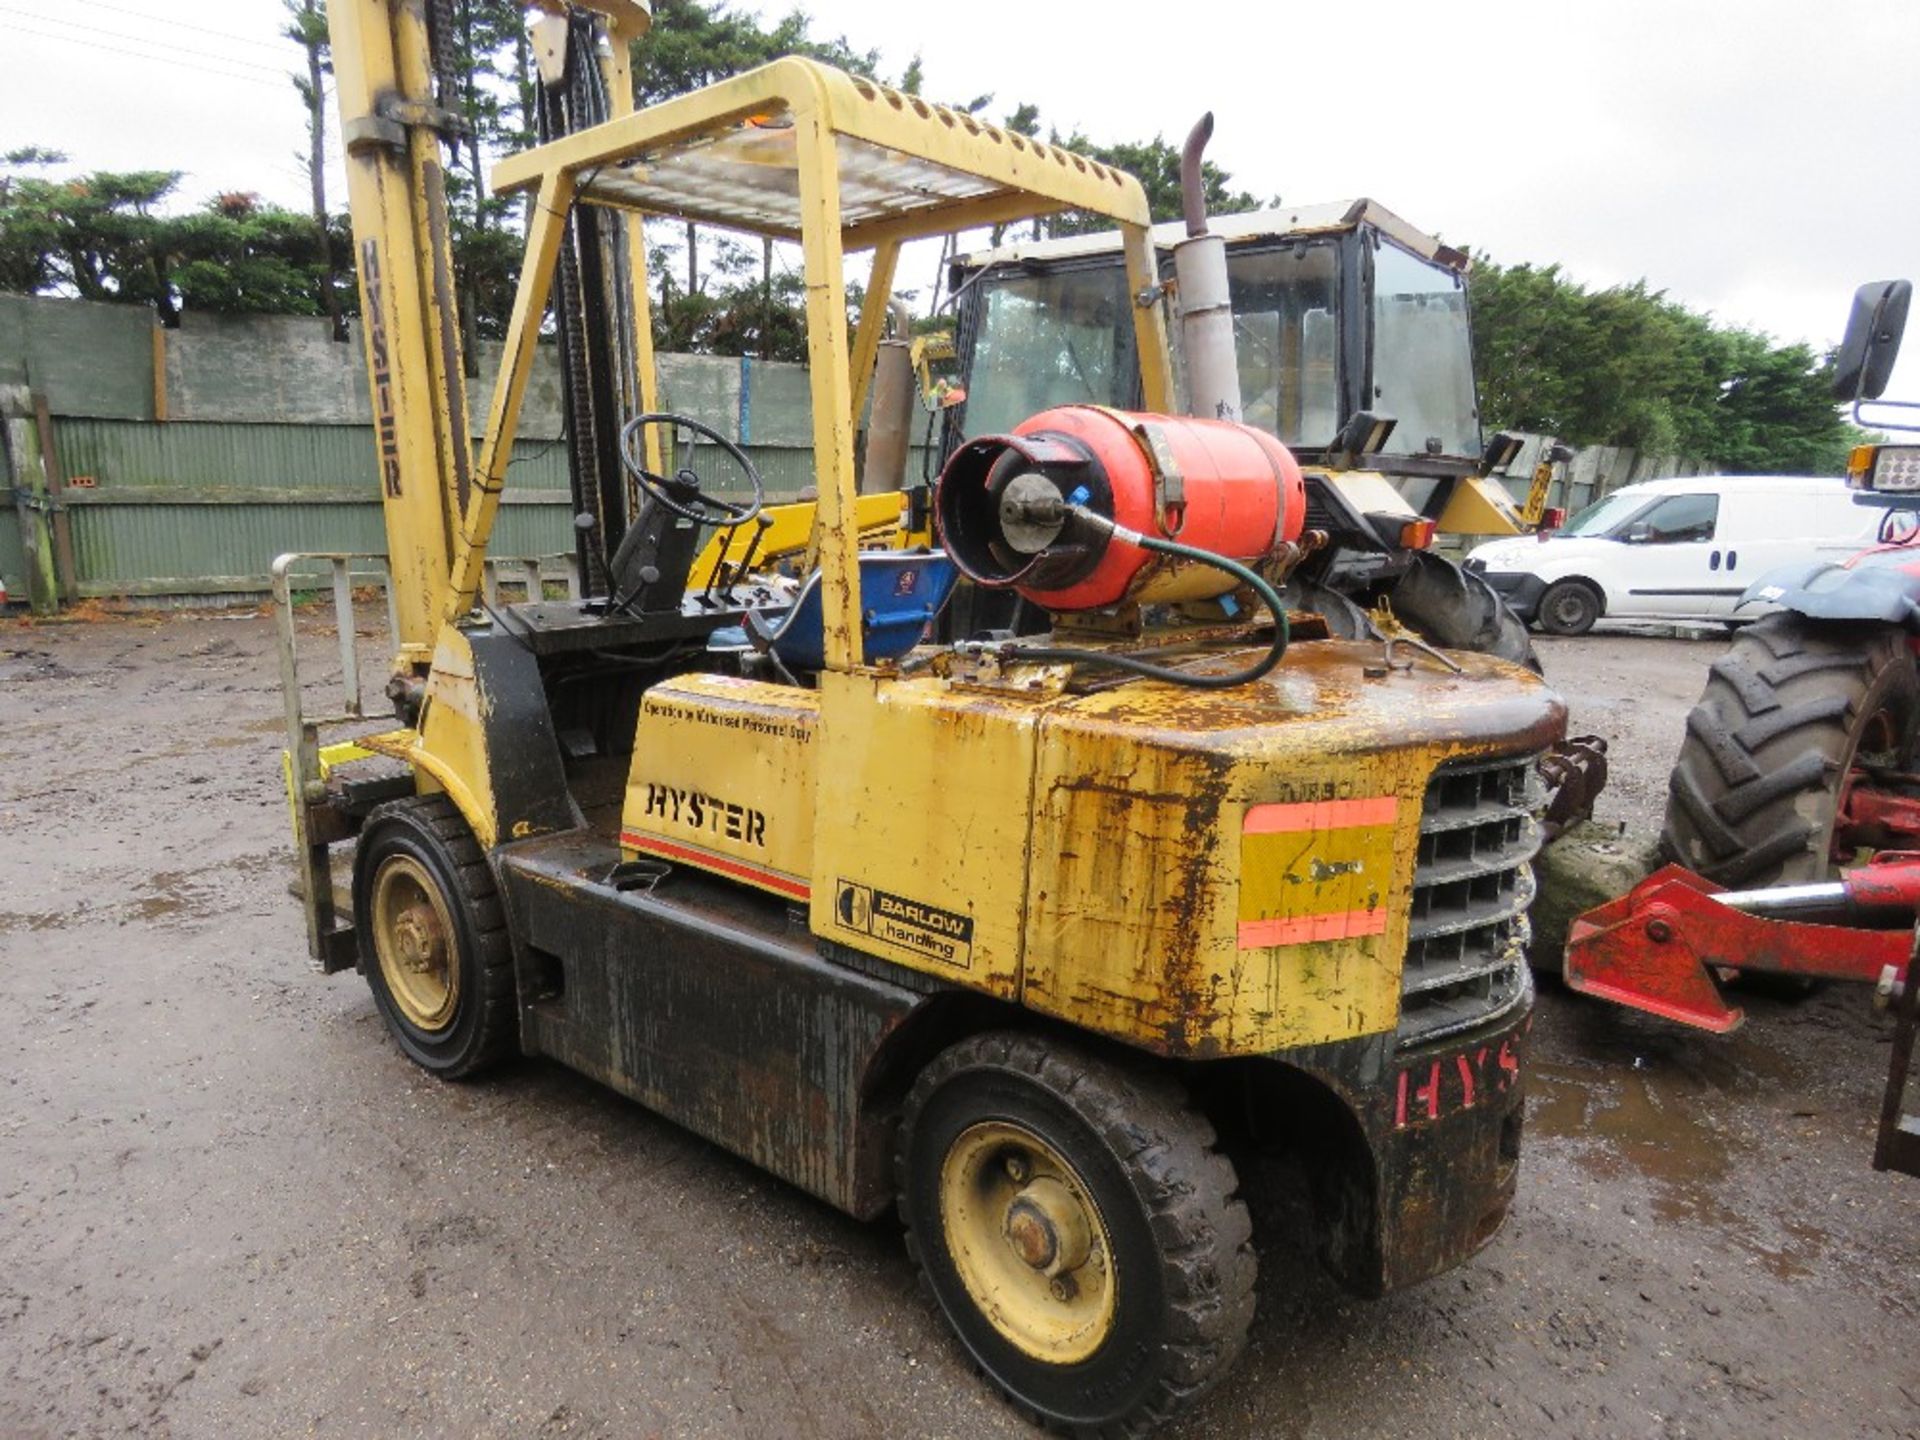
x,y
901,591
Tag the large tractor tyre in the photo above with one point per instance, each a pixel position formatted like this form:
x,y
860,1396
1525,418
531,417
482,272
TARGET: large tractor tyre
x,y
1077,1229
1791,708
1456,609
1569,607
433,937
1345,620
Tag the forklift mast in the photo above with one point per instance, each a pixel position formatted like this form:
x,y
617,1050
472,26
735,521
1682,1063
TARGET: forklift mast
x,y
394,93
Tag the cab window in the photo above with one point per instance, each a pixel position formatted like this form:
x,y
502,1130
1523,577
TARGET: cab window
x,y
1677,518
1061,337
1284,335
1422,355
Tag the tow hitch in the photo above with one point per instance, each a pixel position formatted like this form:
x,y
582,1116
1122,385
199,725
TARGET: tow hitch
x,y
1663,945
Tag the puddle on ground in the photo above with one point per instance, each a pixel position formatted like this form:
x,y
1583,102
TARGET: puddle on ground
x,y
170,895
1650,1105
12,920
164,896
1641,1122
234,742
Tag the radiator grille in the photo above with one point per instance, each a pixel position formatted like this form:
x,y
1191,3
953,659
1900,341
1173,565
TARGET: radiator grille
x,y
1472,884
1320,513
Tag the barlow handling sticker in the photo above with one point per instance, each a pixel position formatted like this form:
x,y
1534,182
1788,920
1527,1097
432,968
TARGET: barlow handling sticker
x,y
926,930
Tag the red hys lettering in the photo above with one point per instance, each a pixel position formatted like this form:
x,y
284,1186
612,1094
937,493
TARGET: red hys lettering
x,y
1466,1080
1430,1092
1480,1074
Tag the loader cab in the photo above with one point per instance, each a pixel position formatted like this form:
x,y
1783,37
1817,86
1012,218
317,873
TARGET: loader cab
x,y
1339,311
1354,348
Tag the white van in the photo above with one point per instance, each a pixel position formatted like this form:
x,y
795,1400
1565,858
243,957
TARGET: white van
x,y
1677,549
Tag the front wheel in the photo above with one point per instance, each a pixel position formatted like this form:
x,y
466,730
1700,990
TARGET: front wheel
x,y
1457,609
1077,1230
1568,607
1792,709
433,937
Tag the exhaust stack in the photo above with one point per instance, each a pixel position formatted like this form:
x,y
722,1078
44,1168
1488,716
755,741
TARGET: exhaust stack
x,y
890,422
1206,312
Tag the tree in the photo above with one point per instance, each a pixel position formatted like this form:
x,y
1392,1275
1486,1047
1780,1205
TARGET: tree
x,y
240,257
29,232
97,237
307,27
107,236
1628,366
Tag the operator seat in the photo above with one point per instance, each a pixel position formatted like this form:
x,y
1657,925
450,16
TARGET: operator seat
x,y
901,591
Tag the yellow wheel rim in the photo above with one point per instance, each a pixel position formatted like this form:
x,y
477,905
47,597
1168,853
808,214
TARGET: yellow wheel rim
x,y
413,939
1028,1242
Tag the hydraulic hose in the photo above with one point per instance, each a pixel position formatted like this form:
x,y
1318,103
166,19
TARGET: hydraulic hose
x,y
1133,664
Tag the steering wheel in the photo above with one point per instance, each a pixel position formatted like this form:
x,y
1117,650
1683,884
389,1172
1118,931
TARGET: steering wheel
x,y
681,492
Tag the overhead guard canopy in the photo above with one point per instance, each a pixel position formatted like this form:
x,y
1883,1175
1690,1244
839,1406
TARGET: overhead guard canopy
x,y
730,155
797,150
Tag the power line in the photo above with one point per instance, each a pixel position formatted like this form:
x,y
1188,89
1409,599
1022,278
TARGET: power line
x,y
86,32
144,55
172,24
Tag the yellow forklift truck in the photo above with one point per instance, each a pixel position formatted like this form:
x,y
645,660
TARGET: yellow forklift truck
x,y
1009,934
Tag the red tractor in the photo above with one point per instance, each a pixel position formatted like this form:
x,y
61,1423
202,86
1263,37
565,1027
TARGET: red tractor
x,y
1798,755
1798,760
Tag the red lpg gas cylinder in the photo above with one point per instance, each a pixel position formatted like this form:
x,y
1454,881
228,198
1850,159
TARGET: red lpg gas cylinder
x,y
1224,488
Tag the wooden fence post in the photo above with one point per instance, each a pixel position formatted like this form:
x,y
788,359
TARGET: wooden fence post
x,y
29,480
66,573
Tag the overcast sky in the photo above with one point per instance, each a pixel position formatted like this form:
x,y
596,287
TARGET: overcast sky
x,y
1751,157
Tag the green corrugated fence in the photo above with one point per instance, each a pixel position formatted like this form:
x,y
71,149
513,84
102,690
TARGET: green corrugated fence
x,y
192,457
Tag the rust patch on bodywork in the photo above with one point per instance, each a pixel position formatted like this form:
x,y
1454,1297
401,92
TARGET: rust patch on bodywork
x,y
1140,925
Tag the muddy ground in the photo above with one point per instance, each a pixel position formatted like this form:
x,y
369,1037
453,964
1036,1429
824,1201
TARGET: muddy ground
x,y
229,1208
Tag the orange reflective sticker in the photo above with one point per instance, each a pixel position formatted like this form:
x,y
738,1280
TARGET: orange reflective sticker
x,y
1315,870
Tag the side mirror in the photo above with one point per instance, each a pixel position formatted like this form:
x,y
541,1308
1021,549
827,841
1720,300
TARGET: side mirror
x,y
1364,433
1865,359
1638,533
1500,452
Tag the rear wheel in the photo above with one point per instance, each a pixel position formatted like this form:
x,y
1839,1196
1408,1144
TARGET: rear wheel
x,y
433,936
1077,1230
1791,709
1568,607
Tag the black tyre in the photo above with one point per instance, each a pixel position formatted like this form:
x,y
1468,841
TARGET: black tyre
x,y
433,937
1568,607
1791,708
1077,1229
1456,609
1345,620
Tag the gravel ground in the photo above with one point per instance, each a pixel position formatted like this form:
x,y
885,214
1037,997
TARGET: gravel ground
x,y
228,1207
